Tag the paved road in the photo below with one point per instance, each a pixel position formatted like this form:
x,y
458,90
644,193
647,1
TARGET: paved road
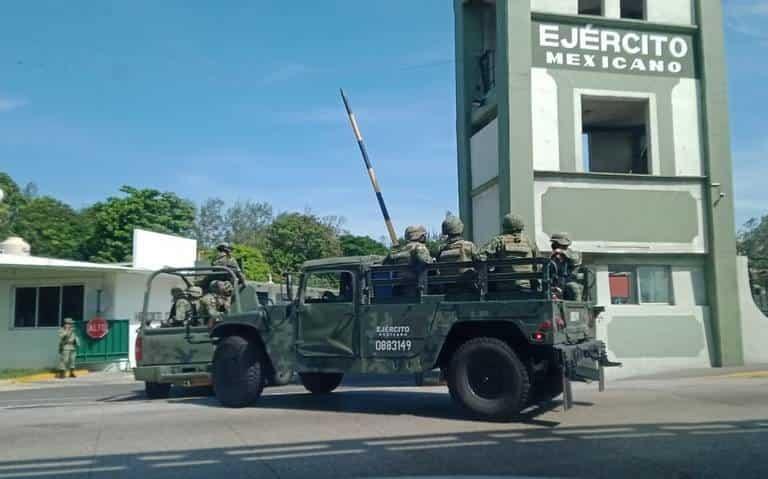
x,y
102,427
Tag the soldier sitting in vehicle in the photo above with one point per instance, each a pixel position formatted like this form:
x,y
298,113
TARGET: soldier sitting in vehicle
x,y
512,244
193,295
567,264
458,250
181,309
212,306
414,253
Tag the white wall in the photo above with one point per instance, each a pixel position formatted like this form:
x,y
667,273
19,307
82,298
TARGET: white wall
x,y
670,11
154,250
486,217
754,324
569,7
687,130
545,125
484,154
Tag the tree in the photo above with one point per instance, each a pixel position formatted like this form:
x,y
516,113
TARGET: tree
x,y
51,227
9,208
252,262
752,241
247,222
293,238
352,245
113,221
210,225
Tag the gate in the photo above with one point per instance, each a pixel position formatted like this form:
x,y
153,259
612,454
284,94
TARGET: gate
x,y
112,347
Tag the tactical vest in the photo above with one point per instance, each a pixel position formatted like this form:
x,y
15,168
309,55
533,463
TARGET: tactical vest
x,y
456,251
515,246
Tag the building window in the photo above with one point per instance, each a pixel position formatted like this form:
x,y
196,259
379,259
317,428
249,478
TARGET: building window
x,y
615,135
47,306
590,7
640,284
633,9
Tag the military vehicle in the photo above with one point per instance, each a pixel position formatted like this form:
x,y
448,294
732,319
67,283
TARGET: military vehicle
x,y
500,346
180,354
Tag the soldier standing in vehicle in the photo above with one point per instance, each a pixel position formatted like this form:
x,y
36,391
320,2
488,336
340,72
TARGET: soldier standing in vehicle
x,y
224,258
512,244
456,248
568,263
414,253
68,343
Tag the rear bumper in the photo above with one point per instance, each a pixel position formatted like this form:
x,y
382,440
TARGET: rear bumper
x,y
179,375
582,362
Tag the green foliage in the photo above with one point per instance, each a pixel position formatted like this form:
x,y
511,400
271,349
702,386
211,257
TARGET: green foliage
x,y
753,242
10,205
113,221
247,223
293,238
210,226
352,245
251,260
52,228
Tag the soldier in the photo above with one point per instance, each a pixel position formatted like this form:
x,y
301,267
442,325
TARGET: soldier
x,y
225,296
568,263
179,307
414,253
456,248
193,295
224,258
512,243
211,304
68,343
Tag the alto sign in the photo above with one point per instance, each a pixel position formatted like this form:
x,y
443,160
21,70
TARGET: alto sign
x,y
97,328
612,50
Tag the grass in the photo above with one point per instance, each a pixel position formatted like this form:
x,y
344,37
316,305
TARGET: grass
x,y
17,373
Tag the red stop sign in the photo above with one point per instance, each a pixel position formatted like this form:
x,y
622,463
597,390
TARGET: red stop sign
x,y
97,328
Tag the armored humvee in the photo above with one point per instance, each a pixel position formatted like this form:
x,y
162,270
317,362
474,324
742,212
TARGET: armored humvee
x,y
497,329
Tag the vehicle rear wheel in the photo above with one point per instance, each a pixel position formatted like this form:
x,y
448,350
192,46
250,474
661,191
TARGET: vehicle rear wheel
x,y
320,383
157,390
487,378
237,371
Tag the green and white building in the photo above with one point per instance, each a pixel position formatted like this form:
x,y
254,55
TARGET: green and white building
x,y
608,119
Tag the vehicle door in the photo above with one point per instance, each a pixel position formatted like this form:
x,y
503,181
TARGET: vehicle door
x,y
326,314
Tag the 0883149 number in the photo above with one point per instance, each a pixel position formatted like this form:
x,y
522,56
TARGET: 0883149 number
x,y
393,345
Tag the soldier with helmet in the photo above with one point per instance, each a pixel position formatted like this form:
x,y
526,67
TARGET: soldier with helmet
x,y
512,243
224,258
568,263
456,248
414,253
193,295
68,343
180,307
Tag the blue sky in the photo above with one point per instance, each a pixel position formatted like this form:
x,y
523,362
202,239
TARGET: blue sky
x,y
239,100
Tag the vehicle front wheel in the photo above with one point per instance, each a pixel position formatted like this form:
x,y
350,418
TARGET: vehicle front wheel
x,y
237,371
486,377
320,383
157,390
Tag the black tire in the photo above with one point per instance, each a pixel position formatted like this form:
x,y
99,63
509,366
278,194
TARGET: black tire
x,y
157,390
486,378
237,371
320,383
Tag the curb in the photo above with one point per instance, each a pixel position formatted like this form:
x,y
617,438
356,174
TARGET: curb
x,y
747,374
44,376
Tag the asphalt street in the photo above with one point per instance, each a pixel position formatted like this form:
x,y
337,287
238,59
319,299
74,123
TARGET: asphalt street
x,y
101,426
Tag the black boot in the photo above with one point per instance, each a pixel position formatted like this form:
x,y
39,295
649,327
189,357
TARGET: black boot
x,y
72,373
61,375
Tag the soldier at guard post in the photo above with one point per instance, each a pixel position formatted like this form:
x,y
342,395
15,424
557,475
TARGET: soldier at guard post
x,y
512,243
68,343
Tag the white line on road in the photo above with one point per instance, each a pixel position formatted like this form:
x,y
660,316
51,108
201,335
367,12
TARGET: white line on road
x,y
730,431
506,435
308,454
204,462
441,446
39,465
636,435
167,457
694,427
606,430
540,439
268,450
394,442
61,472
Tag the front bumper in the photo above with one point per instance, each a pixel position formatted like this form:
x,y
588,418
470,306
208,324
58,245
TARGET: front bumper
x,y
187,375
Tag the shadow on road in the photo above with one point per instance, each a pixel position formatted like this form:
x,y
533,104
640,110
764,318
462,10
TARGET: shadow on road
x,y
673,450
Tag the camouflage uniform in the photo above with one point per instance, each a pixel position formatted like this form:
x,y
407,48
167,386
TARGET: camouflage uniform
x,y
414,253
225,259
179,308
68,343
568,264
213,305
511,244
193,296
455,250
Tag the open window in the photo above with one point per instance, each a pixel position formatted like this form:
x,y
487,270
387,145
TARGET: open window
x,y
633,9
640,284
329,287
615,135
590,7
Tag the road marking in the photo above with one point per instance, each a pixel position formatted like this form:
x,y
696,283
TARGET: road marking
x,y
694,427
39,465
278,449
308,454
606,430
60,472
540,439
729,431
746,374
440,446
167,457
186,463
505,435
638,435
394,442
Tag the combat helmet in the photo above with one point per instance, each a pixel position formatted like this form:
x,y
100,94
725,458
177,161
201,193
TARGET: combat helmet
x,y
452,226
68,321
562,239
415,233
195,292
513,223
224,247
176,291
